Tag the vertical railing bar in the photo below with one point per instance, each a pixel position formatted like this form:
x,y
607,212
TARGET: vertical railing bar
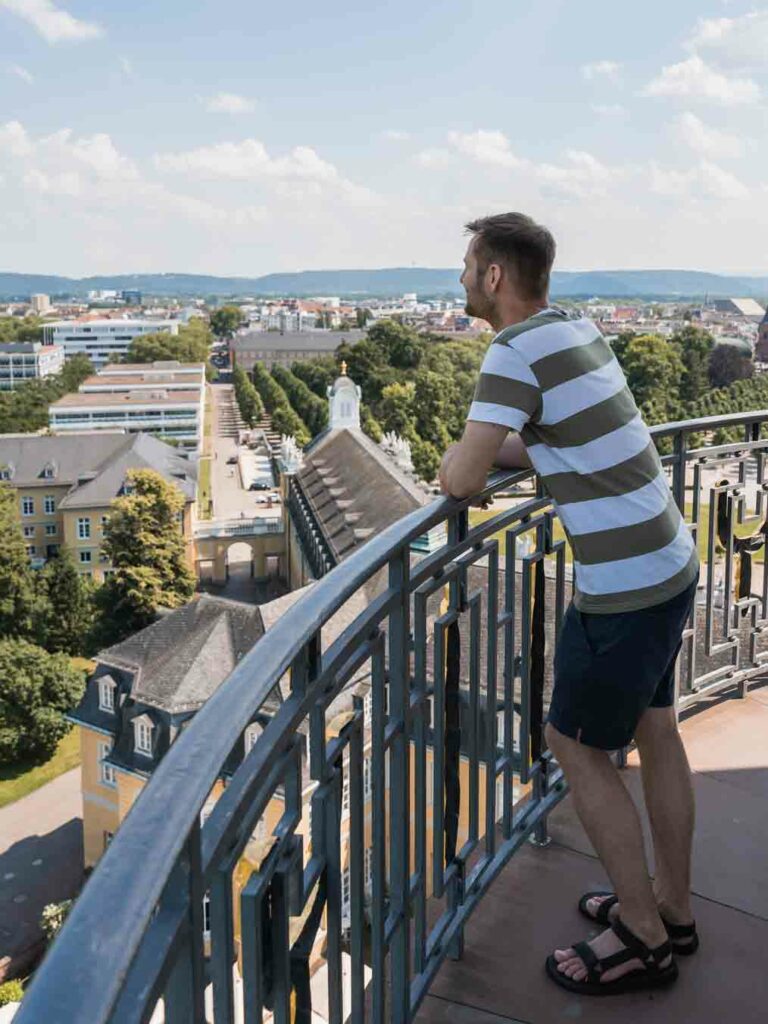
x,y
378,952
420,781
251,911
474,718
438,756
490,701
332,822
399,756
509,679
525,672
281,947
222,945
185,992
356,844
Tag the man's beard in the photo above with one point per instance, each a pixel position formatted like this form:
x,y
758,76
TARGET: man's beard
x,y
478,306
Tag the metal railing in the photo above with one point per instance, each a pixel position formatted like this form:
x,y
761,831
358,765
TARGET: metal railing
x,y
238,527
452,648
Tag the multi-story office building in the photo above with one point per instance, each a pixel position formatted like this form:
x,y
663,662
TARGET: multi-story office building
x,y
102,340
166,375
66,484
176,415
21,361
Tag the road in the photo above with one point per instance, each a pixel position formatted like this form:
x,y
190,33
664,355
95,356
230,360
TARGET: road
x,y
41,861
230,500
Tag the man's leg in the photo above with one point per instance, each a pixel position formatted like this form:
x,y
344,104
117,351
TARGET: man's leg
x,y
671,809
611,821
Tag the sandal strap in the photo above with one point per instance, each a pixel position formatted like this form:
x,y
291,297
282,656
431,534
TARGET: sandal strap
x,y
652,958
590,960
601,915
679,931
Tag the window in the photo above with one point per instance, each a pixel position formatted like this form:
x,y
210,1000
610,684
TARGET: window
x,y
345,896
106,771
252,733
85,557
345,797
367,778
29,531
108,837
107,694
368,869
49,473
142,730
5,473
368,709
51,529
104,520
49,504
27,506
84,528
31,550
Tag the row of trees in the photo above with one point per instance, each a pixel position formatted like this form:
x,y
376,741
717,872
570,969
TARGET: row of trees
x,y
312,409
248,398
284,417
48,616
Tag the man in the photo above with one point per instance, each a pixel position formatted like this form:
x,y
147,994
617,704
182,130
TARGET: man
x,y
555,384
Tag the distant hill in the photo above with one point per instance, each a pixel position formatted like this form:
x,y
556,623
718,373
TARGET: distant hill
x,y
357,284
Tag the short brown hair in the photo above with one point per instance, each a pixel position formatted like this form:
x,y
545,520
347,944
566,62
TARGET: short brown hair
x,y
516,240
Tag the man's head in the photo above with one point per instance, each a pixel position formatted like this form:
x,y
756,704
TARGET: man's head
x,y
507,266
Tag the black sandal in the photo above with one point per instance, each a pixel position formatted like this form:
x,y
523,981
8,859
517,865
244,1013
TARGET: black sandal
x,y
651,975
674,931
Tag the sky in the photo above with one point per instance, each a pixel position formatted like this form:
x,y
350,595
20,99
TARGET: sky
x,y
242,138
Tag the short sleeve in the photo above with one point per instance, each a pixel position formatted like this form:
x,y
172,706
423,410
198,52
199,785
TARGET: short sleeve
x,y
507,391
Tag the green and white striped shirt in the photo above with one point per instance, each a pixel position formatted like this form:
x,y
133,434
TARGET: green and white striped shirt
x,y
557,382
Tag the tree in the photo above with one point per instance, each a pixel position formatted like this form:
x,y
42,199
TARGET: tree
x,y
400,346
248,398
695,347
74,372
318,374
395,411
312,410
191,345
654,370
433,400
286,421
369,424
17,592
67,619
143,540
728,363
425,458
225,321
25,410
36,690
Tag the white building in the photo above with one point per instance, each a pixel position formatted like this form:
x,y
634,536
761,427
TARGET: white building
x,y
103,341
40,302
171,415
21,361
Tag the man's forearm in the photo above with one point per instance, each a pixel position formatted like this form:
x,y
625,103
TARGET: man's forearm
x,y
513,454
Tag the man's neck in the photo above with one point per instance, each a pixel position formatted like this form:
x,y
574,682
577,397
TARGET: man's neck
x,y
515,312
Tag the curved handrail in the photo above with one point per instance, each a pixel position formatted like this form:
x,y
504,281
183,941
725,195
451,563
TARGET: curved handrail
x,y
85,988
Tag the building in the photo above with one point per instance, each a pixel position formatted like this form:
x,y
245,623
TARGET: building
x,y
102,340
271,348
761,346
66,485
195,372
21,361
40,303
175,415
747,309
168,375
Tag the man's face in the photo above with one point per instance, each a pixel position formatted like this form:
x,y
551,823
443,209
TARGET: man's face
x,y
478,302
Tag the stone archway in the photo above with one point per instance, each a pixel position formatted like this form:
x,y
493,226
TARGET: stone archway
x,y
240,554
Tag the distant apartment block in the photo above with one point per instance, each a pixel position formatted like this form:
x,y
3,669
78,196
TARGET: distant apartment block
x,y
22,361
40,303
105,340
272,348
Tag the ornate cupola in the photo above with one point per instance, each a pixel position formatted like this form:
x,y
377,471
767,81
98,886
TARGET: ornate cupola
x,y
344,403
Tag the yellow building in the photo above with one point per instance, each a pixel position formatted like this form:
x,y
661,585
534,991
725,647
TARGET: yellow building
x,y
66,484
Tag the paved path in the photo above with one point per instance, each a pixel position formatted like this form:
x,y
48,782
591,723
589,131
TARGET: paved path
x,y
41,860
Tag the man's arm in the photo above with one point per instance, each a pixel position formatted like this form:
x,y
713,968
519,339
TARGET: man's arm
x,y
466,465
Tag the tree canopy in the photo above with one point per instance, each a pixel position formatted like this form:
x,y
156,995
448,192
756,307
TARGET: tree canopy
x,y
191,345
17,591
225,321
25,410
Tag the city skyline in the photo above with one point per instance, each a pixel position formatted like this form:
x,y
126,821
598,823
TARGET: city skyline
x,y
233,142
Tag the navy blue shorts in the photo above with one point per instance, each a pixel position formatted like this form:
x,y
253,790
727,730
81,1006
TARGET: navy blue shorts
x,y
610,668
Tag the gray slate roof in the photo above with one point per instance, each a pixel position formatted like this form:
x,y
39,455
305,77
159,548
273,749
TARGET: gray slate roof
x,y
355,490
182,659
294,341
100,459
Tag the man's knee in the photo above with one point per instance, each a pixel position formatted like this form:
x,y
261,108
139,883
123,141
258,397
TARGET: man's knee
x,y
656,725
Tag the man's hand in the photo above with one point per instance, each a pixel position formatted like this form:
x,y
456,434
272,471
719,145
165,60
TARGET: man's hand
x,y
465,466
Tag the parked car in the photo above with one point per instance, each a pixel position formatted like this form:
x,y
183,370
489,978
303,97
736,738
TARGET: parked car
x,y
260,485
232,460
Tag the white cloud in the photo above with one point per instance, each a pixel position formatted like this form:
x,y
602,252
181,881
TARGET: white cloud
x,y
52,23
486,147
229,103
249,160
395,135
601,69
583,176
126,67
705,180
694,79
609,109
705,140
741,41
20,72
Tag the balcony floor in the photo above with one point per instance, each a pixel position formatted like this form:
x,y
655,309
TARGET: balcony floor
x,y
532,907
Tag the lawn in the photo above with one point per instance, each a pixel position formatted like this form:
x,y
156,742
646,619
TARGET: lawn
x,y
204,499
18,780
479,515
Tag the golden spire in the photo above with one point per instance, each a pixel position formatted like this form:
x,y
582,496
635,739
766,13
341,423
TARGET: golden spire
x,y
343,368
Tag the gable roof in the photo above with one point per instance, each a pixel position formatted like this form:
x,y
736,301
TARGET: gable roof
x,y
354,489
72,454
